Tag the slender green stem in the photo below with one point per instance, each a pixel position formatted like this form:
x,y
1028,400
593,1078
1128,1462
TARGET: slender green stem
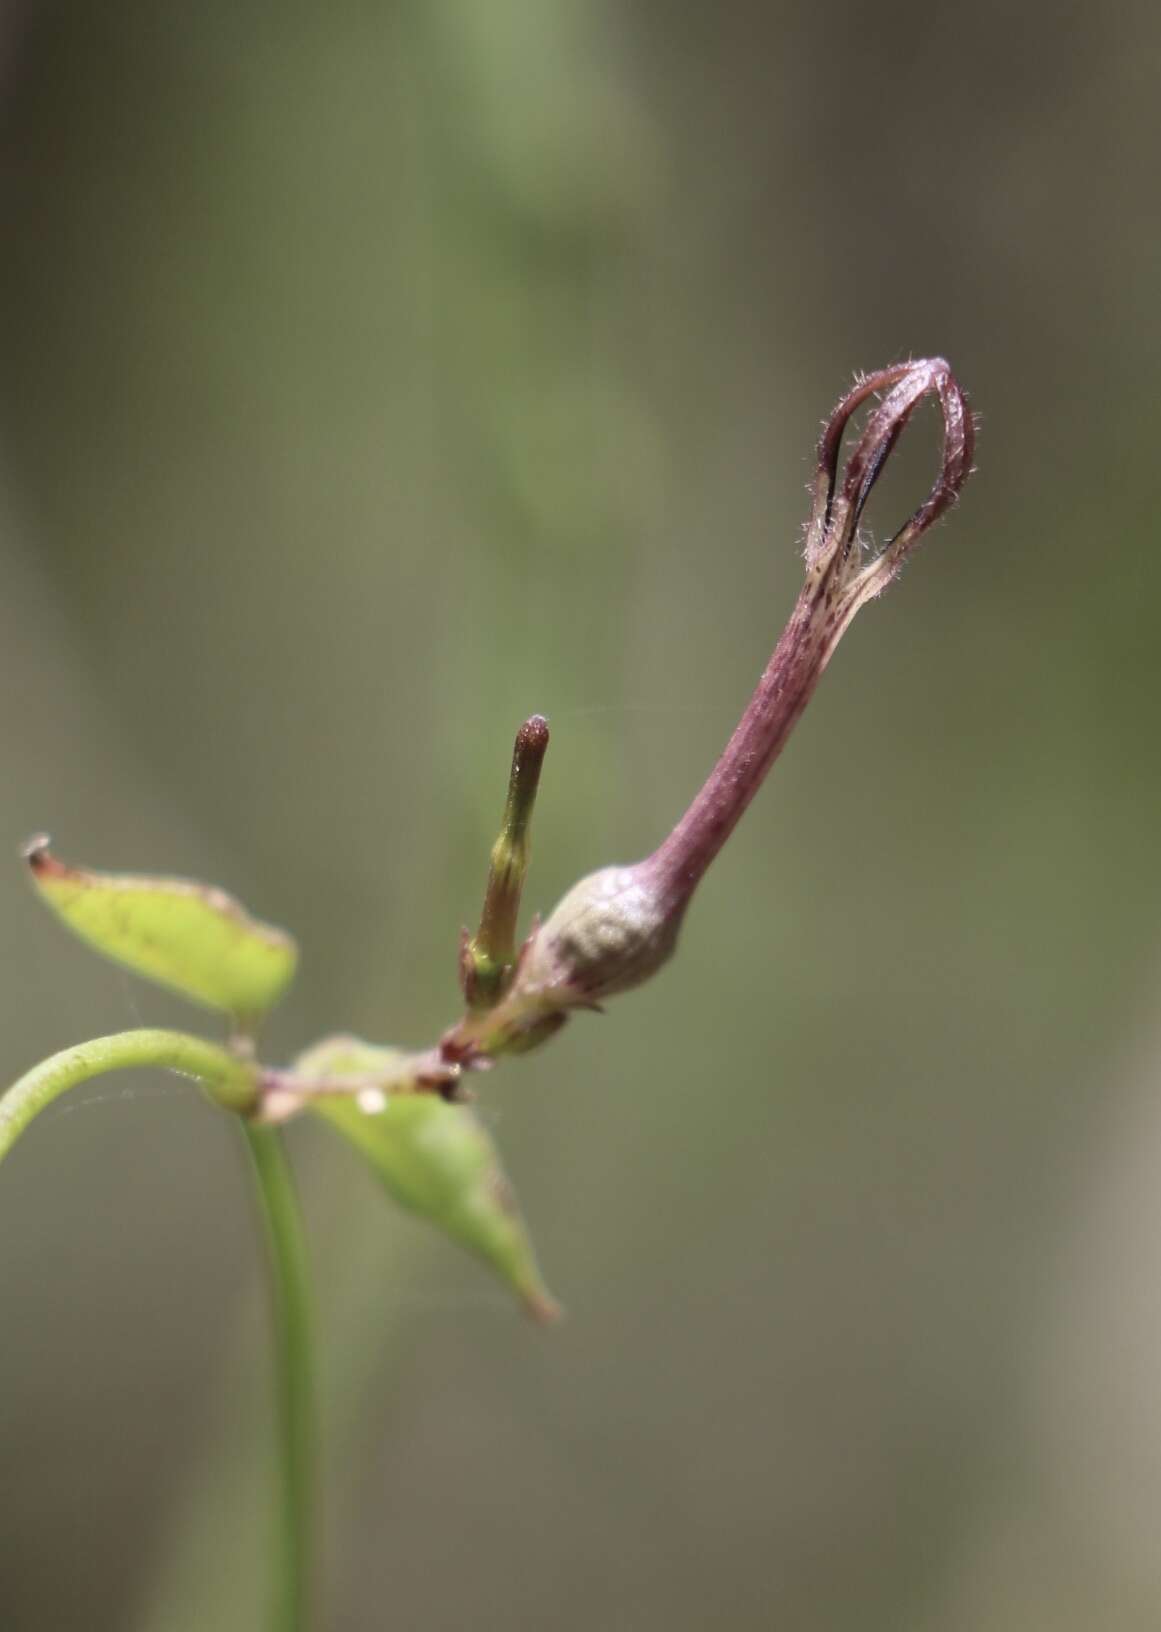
x,y
228,1080
289,1277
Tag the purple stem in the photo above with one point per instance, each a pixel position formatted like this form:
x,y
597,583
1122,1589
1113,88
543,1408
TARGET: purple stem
x,y
782,693
837,584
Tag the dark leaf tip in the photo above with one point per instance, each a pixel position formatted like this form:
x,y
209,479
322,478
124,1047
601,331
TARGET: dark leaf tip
x,y
36,853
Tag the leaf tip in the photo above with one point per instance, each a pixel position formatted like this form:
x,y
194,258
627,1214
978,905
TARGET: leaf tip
x,y
35,851
543,1307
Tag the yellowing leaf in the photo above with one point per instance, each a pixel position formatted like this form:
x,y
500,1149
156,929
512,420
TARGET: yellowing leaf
x,y
436,1159
194,939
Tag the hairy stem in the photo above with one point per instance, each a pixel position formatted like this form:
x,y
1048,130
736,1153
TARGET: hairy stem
x,y
293,1342
228,1080
781,695
838,583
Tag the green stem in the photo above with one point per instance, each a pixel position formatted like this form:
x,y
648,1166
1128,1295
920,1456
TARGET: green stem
x,y
289,1277
231,1082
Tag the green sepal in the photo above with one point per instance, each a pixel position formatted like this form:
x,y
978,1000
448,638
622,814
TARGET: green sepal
x,y
436,1159
196,940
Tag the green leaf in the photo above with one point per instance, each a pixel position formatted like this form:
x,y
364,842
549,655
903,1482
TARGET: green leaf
x,y
196,940
436,1159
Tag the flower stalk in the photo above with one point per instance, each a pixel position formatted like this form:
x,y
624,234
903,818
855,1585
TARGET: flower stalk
x,y
838,583
617,927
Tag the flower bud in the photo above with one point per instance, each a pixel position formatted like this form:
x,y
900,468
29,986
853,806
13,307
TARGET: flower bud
x,y
487,957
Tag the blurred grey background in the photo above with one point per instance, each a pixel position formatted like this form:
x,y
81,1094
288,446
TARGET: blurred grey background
x,y
372,375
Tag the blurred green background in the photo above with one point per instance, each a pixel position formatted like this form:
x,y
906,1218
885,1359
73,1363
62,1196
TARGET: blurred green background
x,y
372,375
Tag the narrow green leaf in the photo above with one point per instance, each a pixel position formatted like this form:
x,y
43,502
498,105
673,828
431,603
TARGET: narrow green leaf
x,y
436,1159
194,939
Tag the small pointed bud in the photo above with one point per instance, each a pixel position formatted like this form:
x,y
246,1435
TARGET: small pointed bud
x,y
487,958
196,940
